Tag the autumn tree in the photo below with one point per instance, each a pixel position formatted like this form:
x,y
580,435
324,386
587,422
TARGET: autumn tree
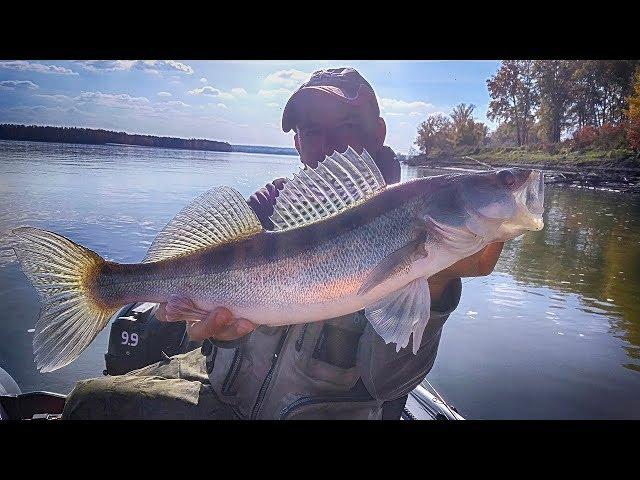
x,y
433,134
599,91
465,131
633,114
514,97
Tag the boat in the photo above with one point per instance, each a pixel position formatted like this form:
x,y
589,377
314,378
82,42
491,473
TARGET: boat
x,y
137,338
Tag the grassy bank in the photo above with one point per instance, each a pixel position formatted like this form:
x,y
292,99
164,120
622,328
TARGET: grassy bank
x,y
620,160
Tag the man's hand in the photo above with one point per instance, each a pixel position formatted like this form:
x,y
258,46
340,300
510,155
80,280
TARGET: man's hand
x,y
477,265
263,200
219,324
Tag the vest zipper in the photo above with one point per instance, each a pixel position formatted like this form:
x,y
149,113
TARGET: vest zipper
x,y
265,384
301,338
233,372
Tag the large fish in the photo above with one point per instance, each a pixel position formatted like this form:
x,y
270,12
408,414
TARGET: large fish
x,y
343,241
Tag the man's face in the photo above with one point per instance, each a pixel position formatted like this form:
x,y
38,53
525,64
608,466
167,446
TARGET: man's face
x,y
325,124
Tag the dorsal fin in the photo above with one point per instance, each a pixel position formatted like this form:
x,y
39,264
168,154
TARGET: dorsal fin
x,y
218,216
341,181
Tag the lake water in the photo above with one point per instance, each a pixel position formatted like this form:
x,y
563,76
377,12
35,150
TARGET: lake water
x,y
553,333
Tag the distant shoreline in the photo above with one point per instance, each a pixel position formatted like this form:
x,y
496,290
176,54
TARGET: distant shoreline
x,y
87,136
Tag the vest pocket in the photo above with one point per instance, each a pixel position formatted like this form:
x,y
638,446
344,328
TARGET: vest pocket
x,y
327,351
346,407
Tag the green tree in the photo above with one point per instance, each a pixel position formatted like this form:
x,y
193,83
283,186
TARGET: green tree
x,y
554,85
462,131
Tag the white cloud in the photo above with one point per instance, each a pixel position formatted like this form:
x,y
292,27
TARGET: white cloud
x,y
55,98
287,78
116,105
271,94
164,94
149,66
183,67
203,80
273,104
401,106
210,91
415,114
17,85
174,103
25,66
121,100
238,92
222,106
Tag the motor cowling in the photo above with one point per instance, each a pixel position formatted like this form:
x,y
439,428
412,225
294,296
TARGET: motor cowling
x,y
138,339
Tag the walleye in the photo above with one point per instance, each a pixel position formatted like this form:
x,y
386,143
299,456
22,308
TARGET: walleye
x,y
343,241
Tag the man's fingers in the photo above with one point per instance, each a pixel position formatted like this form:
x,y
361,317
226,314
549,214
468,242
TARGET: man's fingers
x,y
237,329
273,192
279,183
213,323
221,325
262,197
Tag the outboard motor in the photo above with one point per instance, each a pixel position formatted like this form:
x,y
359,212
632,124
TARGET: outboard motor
x,y
138,339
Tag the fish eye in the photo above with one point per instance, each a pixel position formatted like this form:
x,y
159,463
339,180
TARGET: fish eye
x,y
507,178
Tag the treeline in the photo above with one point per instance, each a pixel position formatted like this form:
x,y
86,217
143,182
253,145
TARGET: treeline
x,y
543,103
35,133
445,135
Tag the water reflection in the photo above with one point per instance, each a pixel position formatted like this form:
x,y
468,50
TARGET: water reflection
x,y
556,322
589,247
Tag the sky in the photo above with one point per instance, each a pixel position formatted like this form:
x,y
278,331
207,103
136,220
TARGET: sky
x,y
239,102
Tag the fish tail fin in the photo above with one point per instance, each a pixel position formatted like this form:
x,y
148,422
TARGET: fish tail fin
x,y
63,273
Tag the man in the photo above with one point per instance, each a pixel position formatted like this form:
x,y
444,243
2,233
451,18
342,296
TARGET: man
x,y
335,369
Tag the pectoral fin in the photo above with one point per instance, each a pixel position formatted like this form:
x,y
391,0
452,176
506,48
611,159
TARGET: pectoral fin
x,y
394,264
401,313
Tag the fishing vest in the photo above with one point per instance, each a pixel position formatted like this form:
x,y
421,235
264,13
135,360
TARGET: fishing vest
x,y
334,369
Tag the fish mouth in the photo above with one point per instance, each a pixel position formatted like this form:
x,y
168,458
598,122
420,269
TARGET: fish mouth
x,y
531,197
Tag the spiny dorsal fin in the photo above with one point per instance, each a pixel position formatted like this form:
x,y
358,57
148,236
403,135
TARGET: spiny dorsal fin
x,y
339,182
218,216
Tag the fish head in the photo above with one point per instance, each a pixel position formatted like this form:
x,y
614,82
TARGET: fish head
x,y
503,204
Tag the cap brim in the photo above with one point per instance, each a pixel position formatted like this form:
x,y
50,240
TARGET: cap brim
x,y
363,95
